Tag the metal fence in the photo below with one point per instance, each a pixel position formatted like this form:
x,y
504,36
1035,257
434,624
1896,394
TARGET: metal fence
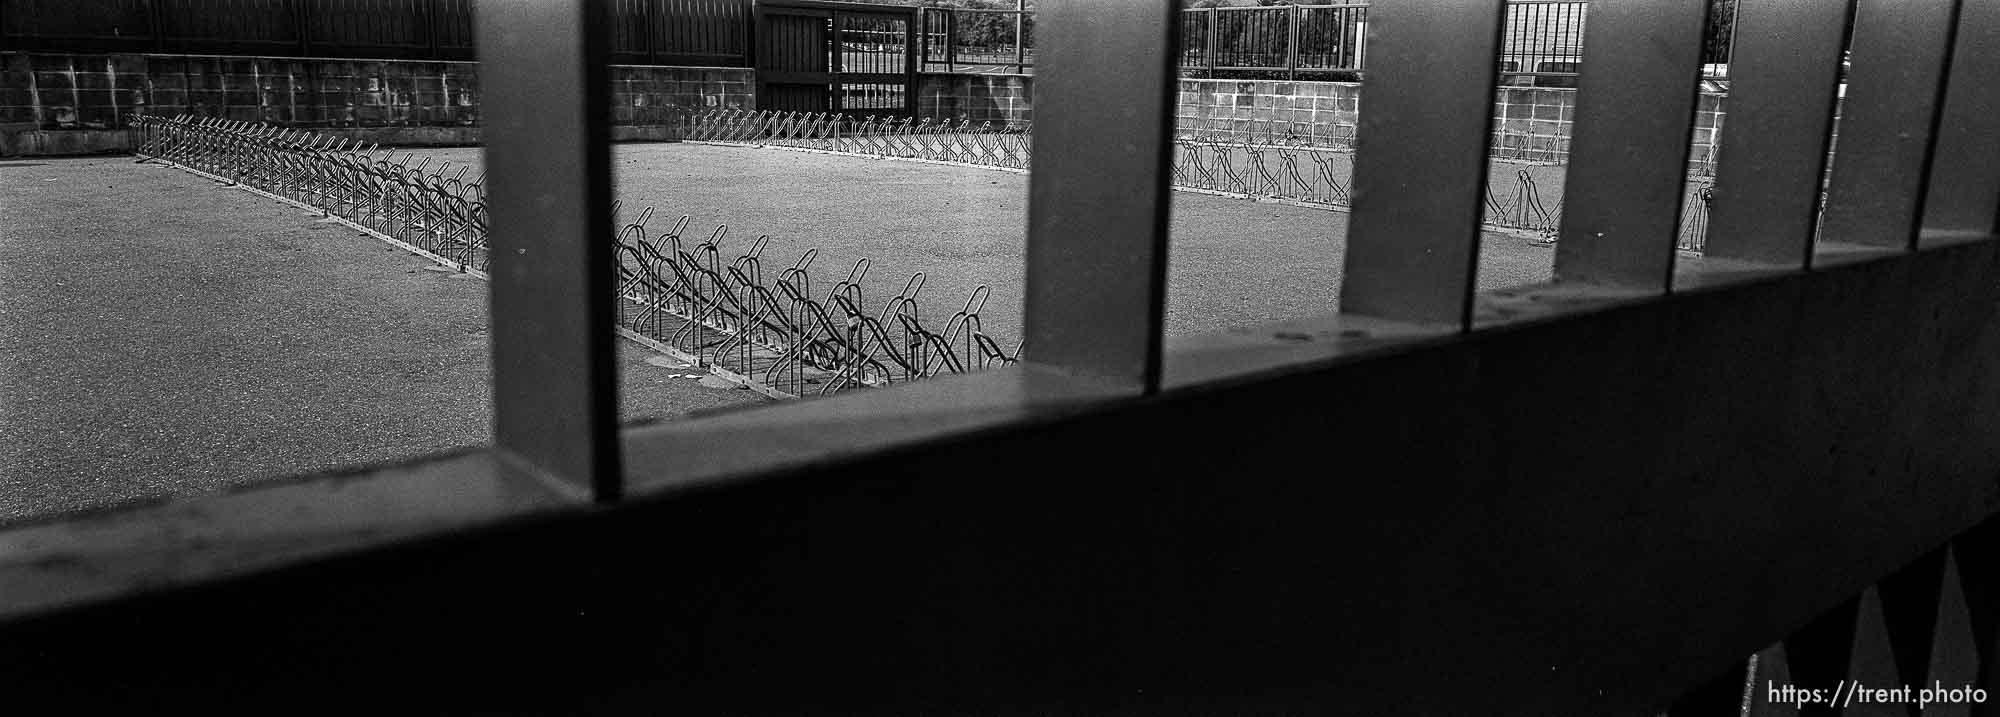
x,y
1294,162
1542,41
976,40
661,32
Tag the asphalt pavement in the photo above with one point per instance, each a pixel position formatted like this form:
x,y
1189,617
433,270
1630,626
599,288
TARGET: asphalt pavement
x,y
161,335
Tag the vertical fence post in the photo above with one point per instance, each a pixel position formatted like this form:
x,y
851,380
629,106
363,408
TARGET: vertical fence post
x,y
302,24
1292,46
1361,43
156,21
1213,30
1097,210
1420,162
911,27
1882,159
431,29
1781,104
649,26
1964,186
1628,157
544,81
1020,49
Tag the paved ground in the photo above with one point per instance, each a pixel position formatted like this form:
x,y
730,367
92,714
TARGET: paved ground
x,y
1233,261
161,335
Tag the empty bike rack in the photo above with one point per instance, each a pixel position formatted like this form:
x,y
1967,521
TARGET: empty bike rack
x,y
675,295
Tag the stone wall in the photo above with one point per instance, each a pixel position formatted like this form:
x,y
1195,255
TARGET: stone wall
x,y
1000,99
60,103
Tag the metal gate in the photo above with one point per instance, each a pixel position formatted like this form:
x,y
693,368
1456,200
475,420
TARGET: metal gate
x,y
815,56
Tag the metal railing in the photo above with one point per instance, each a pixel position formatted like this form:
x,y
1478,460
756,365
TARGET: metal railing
x,y
676,292
1601,495
1542,39
976,40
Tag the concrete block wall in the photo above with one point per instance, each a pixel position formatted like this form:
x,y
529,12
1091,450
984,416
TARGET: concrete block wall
x,y
652,95
1232,108
1533,123
980,98
62,103
1529,123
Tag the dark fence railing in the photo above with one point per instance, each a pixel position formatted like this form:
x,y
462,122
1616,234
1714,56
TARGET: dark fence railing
x,y
654,32
681,32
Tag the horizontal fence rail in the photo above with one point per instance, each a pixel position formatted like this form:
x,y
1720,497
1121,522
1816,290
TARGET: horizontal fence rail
x,y
658,32
1298,162
676,292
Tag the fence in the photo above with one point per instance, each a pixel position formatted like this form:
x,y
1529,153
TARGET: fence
x,y
1541,42
657,32
977,40
1597,496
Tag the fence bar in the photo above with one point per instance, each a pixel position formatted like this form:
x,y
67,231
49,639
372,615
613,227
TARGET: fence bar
x,y
1097,210
1020,48
1964,192
1772,155
1882,157
1212,43
1292,44
1420,162
544,81
1628,156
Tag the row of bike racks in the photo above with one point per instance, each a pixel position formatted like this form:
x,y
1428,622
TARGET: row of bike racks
x,y
1301,162
984,144
674,293
432,209
777,331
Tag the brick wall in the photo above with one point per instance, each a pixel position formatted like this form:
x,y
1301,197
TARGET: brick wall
x,y
979,98
61,103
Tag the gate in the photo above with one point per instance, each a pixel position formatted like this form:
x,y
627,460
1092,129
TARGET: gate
x,y
815,56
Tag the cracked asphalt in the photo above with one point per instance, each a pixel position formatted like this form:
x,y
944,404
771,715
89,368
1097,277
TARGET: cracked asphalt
x,y
162,335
